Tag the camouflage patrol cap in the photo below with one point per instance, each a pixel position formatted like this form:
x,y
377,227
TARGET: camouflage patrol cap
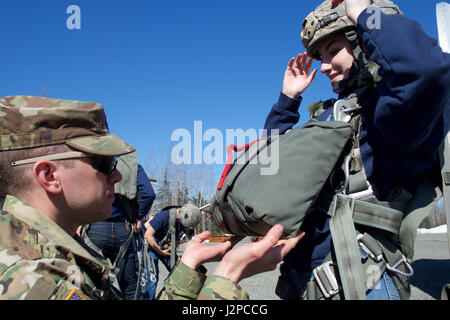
x,y
190,215
324,21
29,122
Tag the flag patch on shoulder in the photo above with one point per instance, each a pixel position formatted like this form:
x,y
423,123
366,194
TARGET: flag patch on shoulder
x,y
74,294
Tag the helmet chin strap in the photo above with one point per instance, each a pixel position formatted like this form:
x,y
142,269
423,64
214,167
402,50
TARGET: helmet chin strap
x,y
363,75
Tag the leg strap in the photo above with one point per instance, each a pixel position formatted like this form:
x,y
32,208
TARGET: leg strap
x,y
347,251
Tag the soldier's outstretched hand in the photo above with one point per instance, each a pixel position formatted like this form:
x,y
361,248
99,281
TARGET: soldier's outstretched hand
x,y
253,258
195,254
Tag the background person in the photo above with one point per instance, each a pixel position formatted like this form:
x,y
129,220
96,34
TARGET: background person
x,y
166,225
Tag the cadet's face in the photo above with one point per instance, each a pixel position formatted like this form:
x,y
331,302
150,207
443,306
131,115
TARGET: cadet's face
x,y
88,192
337,58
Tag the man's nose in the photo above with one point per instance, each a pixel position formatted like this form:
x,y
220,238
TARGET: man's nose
x,y
114,176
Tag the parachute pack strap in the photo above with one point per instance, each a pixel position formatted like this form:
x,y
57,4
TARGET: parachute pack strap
x,y
230,157
377,216
444,156
172,230
346,247
397,264
123,249
425,195
141,266
150,262
84,236
128,207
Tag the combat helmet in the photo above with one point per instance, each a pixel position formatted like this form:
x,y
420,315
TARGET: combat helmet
x,y
324,21
189,215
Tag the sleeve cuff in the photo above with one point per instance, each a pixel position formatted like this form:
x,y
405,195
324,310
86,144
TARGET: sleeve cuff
x,y
187,279
289,103
220,288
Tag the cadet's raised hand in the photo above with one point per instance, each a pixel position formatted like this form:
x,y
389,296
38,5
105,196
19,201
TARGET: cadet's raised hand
x,y
297,77
335,3
353,8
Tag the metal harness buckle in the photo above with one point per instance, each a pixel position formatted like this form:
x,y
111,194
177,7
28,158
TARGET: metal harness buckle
x,y
342,110
394,267
326,279
367,245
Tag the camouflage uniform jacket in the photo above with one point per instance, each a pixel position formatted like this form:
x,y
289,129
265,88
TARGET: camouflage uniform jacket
x,y
185,283
40,261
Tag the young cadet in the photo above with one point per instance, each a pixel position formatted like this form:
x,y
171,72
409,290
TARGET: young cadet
x,y
393,84
58,171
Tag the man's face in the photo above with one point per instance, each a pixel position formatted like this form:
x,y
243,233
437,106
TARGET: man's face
x,y
89,193
337,58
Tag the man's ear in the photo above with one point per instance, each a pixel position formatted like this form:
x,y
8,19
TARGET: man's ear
x,y
46,174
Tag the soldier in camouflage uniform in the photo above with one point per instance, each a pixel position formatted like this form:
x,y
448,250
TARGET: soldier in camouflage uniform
x,y
57,169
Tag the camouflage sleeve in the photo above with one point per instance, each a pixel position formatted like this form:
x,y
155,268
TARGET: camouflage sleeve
x,y
183,283
29,280
219,288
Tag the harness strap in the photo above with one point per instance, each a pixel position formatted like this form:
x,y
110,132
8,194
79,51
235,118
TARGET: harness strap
x,y
348,258
141,277
173,242
123,249
426,194
326,278
397,264
377,216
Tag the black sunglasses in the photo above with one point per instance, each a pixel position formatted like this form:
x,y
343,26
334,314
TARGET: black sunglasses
x,y
105,165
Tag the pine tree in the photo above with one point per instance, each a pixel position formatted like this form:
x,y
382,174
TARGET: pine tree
x,y
163,194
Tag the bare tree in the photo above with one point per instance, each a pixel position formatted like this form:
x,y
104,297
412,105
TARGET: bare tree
x,y
180,184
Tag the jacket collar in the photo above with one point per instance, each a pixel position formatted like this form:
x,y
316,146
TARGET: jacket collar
x,y
53,232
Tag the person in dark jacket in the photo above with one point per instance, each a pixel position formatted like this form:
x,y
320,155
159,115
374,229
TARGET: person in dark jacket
x,y
158,235
401,78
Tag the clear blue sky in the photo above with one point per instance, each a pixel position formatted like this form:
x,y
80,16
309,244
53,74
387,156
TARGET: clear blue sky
x,y
161,65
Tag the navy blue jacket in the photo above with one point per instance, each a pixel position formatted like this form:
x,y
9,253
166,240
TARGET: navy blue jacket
x,y
404,120
160,223
145,198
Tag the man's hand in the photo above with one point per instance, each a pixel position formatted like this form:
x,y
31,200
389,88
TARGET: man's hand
x,y
297,77
195,254
250,259
166,252
138,226
353,8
